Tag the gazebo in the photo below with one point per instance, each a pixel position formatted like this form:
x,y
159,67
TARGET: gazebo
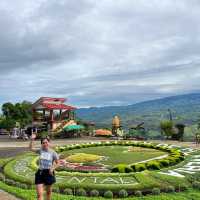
x,y
52,113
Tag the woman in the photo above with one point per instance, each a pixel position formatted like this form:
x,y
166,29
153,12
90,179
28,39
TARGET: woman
x,y
48,161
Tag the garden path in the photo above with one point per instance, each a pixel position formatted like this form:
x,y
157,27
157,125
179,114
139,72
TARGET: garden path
x,y
6,196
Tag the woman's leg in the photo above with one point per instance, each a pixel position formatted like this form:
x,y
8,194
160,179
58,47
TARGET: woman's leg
x,y
48,190
39,188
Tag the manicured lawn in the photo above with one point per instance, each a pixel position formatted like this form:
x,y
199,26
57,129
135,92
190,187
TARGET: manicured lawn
x,y
31,195
119,154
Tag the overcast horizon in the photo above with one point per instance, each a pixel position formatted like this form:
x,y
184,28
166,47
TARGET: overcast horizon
x,y
99,53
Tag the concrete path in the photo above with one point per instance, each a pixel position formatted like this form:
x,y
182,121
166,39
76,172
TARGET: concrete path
x,y
6,196
7,142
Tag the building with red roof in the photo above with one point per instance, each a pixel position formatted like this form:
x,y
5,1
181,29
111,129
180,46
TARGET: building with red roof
x,y
52,112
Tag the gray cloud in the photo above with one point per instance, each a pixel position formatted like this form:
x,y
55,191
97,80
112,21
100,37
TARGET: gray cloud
x,y
99,52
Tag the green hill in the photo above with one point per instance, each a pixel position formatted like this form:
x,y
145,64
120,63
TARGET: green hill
x,y
184,108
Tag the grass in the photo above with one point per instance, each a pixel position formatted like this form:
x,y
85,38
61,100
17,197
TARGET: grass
x,y
31,195
3,161
119,154
21,169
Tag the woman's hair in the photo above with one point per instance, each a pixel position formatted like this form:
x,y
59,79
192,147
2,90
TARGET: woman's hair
x,y
45,138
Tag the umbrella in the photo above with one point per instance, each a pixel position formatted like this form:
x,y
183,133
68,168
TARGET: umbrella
x,y
73,127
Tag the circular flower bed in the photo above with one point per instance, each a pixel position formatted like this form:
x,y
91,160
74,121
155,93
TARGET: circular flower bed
x,y
173,157
122,182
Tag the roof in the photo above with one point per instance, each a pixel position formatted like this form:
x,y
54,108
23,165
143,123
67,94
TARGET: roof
x,y
103,132
51,103
58,106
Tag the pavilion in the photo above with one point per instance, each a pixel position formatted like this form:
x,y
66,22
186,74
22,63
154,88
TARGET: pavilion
x,y
52,113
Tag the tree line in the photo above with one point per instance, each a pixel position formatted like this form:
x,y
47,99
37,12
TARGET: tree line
x,y
19,114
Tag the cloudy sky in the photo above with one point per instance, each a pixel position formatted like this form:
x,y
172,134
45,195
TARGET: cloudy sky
x,y
99,52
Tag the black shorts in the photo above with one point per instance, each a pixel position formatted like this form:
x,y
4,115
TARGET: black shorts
x,y
44,177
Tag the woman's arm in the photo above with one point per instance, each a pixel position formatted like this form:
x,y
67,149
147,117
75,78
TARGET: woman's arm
x,y
54,166
31,144
55,162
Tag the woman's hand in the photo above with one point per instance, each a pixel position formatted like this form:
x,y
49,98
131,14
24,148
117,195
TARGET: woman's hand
x,y
51,170
33,136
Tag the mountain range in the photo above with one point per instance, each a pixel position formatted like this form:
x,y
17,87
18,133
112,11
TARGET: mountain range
x,y
184,109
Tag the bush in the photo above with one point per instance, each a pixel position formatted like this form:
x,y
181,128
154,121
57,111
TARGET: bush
x,y
164,163
138,193
123,193
17,184
94,193
2,177
23,186
108,194
122,168
153,165
9,182
171,160
68,191
133,166
183,187
155,191
81,192
140,167
196,185
56,190
170,189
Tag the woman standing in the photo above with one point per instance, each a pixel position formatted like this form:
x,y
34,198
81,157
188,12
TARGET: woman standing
x,y
48,161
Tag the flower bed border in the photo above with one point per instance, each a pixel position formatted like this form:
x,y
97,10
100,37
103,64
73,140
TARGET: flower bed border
x,y
175,156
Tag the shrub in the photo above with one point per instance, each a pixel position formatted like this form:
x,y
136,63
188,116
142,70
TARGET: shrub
x,y
23,186
81,192
153,165
181,158
133,166
196,185
138,193
183,187
123,193
155,191
17,184
108,194
164,163
94,193
56,190
122,168
176,158
2,177
171,160
9,181
170,189
68,191
140,167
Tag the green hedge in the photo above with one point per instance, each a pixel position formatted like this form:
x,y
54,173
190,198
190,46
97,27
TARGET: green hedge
x,y
146,180
174,157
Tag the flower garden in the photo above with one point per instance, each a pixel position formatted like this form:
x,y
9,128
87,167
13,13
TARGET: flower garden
x,y
113,169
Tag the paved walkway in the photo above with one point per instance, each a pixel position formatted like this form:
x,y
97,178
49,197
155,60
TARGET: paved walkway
x,y
6,196
7,142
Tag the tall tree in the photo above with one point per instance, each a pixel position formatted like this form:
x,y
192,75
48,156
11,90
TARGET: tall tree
x,y
19,112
